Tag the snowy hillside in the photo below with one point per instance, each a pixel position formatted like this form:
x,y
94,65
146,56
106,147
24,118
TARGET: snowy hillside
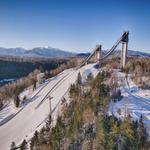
x,y
135,102
19,124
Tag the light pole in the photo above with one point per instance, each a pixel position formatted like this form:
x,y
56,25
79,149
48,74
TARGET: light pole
x,y
50,107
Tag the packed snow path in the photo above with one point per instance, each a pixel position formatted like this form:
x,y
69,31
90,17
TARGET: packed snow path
x,y
32,116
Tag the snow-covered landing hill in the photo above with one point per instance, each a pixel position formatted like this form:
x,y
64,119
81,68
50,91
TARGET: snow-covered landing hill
x,y
19,124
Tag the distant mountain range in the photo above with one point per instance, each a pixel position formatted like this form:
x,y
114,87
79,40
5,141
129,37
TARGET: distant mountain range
x,y
54,52
36,52
131,53
138,53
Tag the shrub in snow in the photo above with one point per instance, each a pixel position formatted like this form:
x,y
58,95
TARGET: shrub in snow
x,y
1,105
13,146
16,101
116,96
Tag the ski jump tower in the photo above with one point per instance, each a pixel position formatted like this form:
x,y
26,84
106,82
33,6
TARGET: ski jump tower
x,y
124,41
97,52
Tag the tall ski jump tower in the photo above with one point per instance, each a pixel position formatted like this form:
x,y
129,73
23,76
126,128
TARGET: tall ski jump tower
x,y
98,51
125,39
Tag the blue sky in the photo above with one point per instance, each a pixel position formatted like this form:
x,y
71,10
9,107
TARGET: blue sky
x,y
74,25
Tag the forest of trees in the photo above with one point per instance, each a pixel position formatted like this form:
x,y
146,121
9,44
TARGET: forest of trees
x,y
84,123
17,69
140,71
12,90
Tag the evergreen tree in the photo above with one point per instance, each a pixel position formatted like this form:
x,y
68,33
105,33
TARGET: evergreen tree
x,y
128,132
100,134
114,136
41,69
34,84
16,100
1,104
23,145
34,140
56,134
90,79
79,79
142,134
73,90
13,146
99,79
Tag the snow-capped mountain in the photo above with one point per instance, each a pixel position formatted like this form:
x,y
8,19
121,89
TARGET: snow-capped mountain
x,y
138,53
117,53
36,52
55,52
48,52
12,51
131,53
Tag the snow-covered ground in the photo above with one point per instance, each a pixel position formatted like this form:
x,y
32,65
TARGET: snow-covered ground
x,y
19,124
135,102
9,110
